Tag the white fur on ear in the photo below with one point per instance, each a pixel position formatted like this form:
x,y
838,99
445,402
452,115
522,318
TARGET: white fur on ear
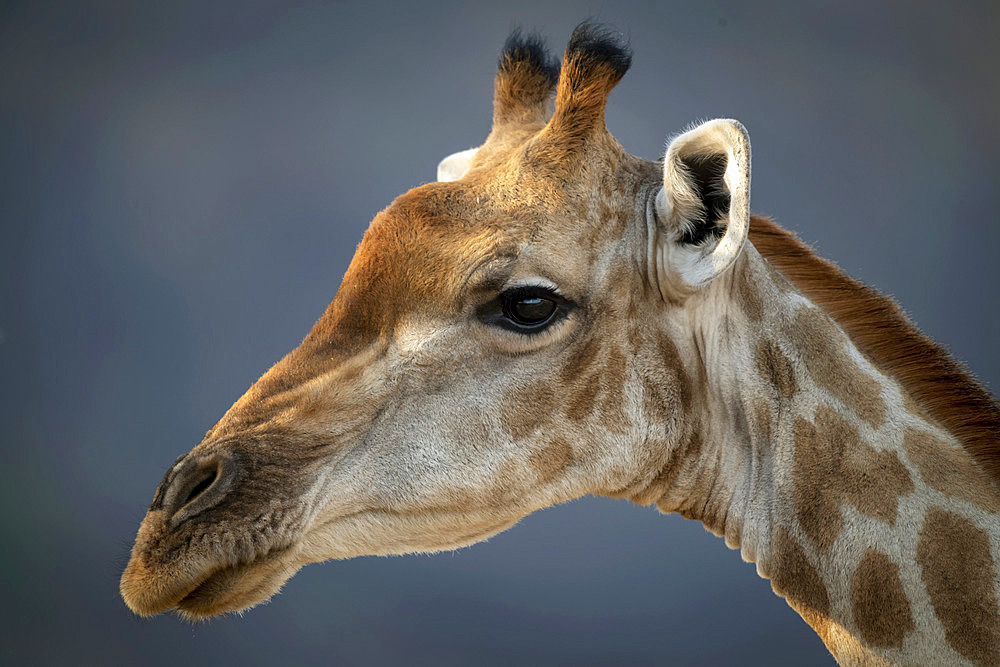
x,y
455,165
703,168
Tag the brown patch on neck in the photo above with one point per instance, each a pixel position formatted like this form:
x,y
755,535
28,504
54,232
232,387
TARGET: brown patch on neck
x,y
822,347
667,388
794,578
881,608
750,299
951,470
958,571
671,358
832,465
942,387
775,368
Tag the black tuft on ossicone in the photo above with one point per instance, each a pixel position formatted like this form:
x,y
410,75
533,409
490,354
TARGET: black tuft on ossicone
x,y
600,43
530,49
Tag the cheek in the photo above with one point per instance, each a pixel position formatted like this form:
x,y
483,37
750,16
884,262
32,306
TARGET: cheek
x,y
437,449
476,427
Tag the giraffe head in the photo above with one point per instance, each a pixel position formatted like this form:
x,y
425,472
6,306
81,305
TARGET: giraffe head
x,y
498,344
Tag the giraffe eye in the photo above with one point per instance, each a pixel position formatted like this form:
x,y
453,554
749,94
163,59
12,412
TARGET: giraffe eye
x,y
528,310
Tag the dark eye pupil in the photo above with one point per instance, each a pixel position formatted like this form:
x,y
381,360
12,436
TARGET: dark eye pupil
x,y
530,310
527,309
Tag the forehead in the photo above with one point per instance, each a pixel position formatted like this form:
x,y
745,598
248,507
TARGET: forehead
x,y
420,253
416,253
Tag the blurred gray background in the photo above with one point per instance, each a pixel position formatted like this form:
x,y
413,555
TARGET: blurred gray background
x,y
183,186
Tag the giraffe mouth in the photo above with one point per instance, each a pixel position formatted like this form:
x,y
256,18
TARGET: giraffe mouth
x,y
234,588
149,589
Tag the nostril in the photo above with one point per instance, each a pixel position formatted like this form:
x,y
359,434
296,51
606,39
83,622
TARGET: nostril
x,y
207,479
198,484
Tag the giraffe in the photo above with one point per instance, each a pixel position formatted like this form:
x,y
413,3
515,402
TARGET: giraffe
x,y
554,317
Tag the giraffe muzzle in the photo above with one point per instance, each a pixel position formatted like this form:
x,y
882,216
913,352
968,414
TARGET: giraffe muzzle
x,y
195,484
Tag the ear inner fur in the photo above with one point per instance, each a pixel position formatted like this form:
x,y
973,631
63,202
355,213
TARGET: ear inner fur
x,y
689,206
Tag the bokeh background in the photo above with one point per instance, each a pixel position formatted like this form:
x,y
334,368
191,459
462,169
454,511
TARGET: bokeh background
x,y
183,185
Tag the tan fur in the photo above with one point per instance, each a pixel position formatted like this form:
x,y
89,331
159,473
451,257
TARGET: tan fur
x,y
764,394
521,93
761,420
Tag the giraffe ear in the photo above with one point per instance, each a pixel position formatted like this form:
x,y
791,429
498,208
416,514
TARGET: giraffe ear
x,y
456,165
702,212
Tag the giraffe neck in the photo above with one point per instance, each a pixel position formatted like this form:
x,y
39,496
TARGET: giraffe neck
x,y
875,525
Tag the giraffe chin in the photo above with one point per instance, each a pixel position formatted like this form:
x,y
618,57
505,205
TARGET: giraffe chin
x,y
219,590
238,588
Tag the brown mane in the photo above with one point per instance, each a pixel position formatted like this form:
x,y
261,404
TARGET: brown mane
x,y
936,381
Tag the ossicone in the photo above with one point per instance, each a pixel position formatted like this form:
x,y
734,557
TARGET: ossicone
x,y
596,59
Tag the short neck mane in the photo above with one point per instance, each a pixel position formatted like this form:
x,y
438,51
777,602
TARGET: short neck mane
x,y
879,328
